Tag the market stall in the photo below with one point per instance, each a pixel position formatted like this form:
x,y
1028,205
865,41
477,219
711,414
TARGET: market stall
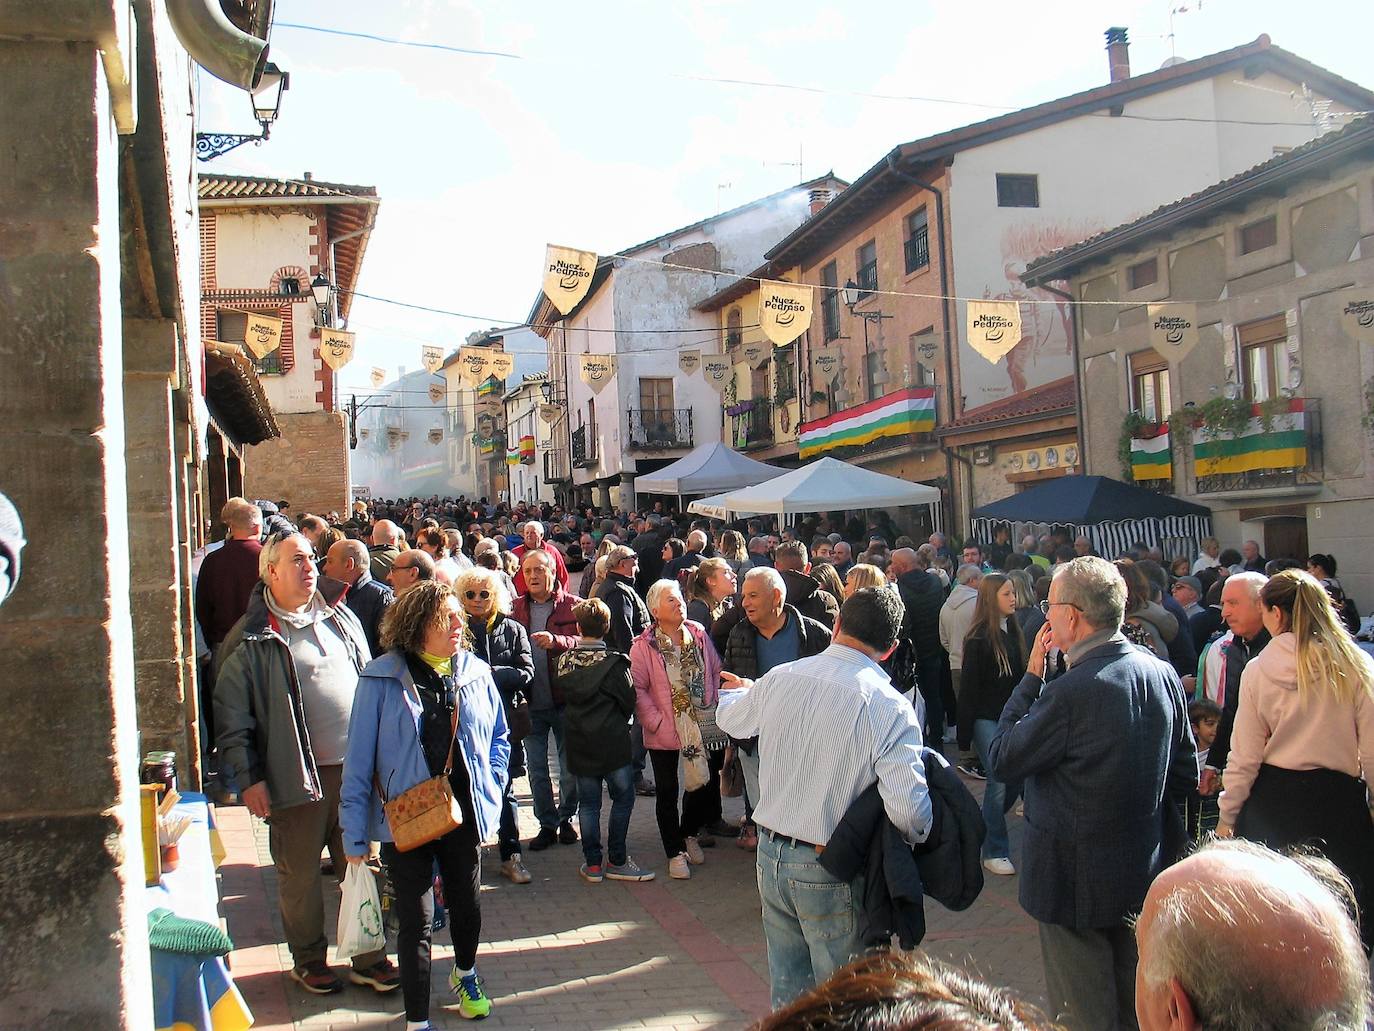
x,y
709,469
1111,514
825,485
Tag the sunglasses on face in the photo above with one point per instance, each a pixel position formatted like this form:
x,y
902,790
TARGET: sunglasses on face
x,y
474,595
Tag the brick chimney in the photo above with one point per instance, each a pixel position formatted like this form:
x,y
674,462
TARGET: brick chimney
x,y
1118,53
819,198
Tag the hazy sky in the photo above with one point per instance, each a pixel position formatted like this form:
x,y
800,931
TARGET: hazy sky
x,y
599,135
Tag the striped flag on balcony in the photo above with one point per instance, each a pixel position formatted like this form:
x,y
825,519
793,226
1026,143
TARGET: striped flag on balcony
x,y
1151,457
1282,446
892,415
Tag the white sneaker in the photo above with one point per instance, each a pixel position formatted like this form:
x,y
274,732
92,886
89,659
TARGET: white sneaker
x,y
692,850
678,869
1001,867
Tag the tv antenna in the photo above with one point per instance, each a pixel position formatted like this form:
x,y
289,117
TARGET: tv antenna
x,y
798,164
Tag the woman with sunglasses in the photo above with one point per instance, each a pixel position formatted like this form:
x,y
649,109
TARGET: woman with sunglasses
x,y
502,644
424,708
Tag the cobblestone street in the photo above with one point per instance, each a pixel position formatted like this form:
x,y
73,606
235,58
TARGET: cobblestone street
x,y
565,954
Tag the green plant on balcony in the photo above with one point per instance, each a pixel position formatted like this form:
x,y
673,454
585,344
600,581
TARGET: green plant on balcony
x,y
818,397
1131,427
1225,416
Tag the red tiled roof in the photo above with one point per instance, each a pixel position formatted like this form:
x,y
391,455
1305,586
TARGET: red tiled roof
x,y
1056,396
243,187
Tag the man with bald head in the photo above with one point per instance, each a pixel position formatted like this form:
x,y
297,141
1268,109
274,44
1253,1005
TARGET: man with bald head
x,y
368,599
1237,937
386,546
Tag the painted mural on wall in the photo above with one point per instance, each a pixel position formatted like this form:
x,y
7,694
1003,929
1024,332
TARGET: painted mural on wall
x,y
1043,353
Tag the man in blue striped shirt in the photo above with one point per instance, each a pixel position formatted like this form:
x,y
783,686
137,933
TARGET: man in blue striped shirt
x,y
828,728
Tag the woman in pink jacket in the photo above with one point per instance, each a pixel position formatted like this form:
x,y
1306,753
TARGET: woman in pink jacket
x,y
676,674
1304,738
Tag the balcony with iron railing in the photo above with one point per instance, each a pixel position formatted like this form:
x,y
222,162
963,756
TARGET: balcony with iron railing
x,y
916,250
660,429
583,448
751,423
867,279
556,467
1278,454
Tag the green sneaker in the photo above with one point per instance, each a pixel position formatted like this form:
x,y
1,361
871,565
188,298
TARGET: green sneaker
x,y
473,1003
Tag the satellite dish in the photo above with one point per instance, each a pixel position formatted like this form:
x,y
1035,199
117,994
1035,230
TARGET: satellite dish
x,y
1173,61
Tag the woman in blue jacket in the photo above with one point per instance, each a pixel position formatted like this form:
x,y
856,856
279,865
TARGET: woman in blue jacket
x,y
401,733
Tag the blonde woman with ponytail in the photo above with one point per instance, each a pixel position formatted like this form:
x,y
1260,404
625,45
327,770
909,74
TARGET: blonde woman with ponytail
x,y
1303,743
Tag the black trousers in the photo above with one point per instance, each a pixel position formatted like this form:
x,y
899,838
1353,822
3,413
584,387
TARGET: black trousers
x,y
412,875
699,807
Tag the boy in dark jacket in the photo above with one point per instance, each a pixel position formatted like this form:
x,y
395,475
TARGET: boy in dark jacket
x,y
600,699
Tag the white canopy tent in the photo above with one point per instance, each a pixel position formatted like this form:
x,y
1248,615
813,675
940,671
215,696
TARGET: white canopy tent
x,y
823,486
709,469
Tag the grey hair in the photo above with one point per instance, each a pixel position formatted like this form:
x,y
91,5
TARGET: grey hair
x,y
969,574
1095,586
698,538
268,555
658,589
480,576
1254,582
536,524
540,556
770,575
1207,935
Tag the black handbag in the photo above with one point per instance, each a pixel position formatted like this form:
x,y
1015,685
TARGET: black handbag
x,y
520,723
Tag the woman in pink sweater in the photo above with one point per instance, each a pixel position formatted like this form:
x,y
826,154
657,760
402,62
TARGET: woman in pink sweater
x,y
1304,738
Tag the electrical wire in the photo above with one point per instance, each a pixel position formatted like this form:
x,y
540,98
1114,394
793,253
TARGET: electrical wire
x,y
797,87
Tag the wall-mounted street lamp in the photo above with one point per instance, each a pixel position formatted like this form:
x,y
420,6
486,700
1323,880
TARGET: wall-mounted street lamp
x,y
266,107
320,289
546,388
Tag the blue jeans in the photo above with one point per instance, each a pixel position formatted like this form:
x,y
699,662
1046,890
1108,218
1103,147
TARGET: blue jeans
x,y
995,802
544,721
621,785
810,920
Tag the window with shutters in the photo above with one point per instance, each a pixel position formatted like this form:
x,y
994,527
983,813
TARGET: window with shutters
x,y
1264,358
1018,191
830,301
916,248
1259,235
866,261
1150,386
231,327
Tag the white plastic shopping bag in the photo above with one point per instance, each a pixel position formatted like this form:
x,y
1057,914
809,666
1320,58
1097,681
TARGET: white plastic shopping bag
x,y
360,914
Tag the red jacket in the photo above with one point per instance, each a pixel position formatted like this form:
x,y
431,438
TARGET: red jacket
x,y
223,586
562,624
560,570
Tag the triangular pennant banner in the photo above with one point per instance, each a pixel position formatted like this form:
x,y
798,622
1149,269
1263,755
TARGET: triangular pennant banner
x,y
1357,312
262,334
1173,329
336,349
436,434
716,369
432,358
994,328
550,413
378,376
500,365
596,370
784,311
436,392
689,361
567,276
825,364
473,365
757,353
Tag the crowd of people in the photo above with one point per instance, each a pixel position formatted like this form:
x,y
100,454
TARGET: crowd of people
x,y
1136,709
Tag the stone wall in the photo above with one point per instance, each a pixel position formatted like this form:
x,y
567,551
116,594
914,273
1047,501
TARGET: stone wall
x,y
307,465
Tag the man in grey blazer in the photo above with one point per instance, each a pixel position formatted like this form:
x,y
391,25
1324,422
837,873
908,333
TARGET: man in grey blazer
x,y
1105,751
